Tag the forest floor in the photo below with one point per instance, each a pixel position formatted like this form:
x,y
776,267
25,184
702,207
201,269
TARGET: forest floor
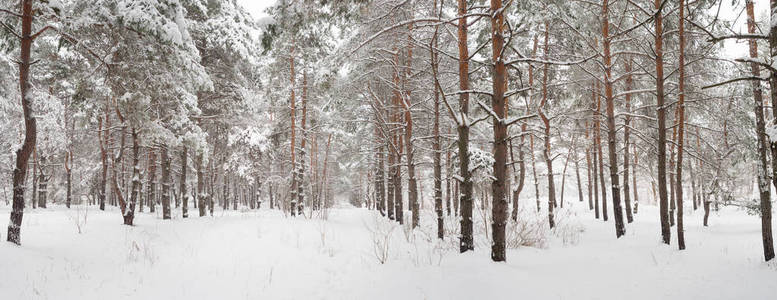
x,y
266,255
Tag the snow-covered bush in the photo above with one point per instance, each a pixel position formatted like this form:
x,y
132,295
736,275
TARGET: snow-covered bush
x,y
529,230
79,217
568,228
381,230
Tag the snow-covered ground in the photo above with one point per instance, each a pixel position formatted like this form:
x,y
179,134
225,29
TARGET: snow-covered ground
x,y
265,255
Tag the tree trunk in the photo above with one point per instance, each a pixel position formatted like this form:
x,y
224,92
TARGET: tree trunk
x,y
681,131
766,206
165,183
594,153
634,178
412,186
598,137
103,139
448,175
303,129
399,210
661,116
534,173
115,185
498,186
620,229
183,189
763,175
577,174
626,136
151,185
30,127
588,167
34,178
326,164
42,183
292,102
522,172
546,121
564,173
129,215
466,242
389,181
68,177
436,146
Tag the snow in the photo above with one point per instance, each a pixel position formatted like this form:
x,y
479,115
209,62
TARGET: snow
x,y
265,255
771,132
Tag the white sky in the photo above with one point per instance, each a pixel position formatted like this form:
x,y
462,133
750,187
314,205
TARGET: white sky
x,y
733,48
256,7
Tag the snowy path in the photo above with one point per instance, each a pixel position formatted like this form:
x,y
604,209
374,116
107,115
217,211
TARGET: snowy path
x,y
263,255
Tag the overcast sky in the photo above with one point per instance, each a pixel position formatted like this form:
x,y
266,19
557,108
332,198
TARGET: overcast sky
x,y
733,48
256,7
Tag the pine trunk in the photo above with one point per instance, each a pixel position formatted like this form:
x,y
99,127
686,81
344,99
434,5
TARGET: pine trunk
x,y
626,136
763,172
620,229
183,188
546,121
436,146
30,127
661,116
165,183
498,186
466,242
681,131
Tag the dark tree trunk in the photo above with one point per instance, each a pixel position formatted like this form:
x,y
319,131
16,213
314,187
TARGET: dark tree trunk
x,y
498,186
115,184
68,178
202,196
302,149
437,144
165,183
412,186
634,178
661,116
626,136
448,175
681,130
546,121
588,170
579,182
598,136
466,242
129,215
594,153
42,183
534,172
620,229
763,172
30,127
151,185
183,189
103,139
34,195
522,172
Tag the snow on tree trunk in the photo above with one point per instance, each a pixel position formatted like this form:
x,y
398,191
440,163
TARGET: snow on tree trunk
x,y
498,186
466,242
